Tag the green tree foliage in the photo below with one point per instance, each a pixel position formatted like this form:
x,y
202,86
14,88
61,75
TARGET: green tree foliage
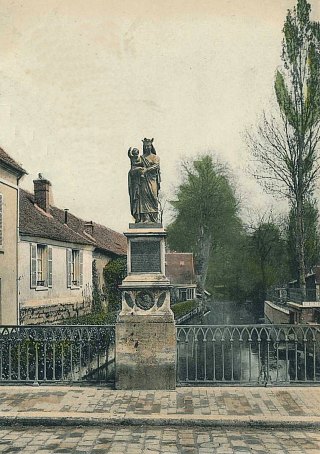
x,y
285,146
229,275
254,259
206,210
114,273
268,250
311,237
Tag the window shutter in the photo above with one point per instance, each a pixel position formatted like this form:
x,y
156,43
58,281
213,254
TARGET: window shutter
x,y
49,266
81,267
69,267
33,265
1,220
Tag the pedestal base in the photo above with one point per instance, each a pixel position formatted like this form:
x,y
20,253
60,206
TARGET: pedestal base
x,y
145,352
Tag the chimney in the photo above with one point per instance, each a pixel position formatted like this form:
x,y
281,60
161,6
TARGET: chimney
x,y
43,194
66,215
88,228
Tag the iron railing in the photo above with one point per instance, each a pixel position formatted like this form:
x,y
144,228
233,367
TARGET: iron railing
x,y
52,353
295,295
248,354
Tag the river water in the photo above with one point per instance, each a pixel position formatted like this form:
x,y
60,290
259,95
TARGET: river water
x,y
212,353
230,313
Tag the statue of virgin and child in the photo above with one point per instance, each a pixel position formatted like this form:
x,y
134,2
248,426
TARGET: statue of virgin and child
x,y
144,183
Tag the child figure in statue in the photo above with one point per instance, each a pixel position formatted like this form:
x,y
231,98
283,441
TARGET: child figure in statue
x,y
135,158
134,176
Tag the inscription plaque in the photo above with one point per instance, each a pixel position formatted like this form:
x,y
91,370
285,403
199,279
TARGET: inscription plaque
x,y
145,257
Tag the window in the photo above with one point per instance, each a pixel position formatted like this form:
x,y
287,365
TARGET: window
x,y
190,293
41,266
1,220
183,294
74,268
186,294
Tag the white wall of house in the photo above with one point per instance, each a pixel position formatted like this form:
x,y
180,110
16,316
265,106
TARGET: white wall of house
x,y
8,177
8,248
101,261
58,292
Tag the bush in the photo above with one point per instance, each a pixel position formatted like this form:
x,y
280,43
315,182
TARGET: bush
x,y
95,318
183,308
114,273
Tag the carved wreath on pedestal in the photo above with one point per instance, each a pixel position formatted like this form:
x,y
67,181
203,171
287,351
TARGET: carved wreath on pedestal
x,y
145,299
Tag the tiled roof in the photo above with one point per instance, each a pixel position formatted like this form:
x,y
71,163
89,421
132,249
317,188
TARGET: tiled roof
x,y
109,240
6,159
35,222
179,268
103,237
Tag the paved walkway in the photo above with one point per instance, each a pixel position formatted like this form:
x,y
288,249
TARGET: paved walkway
x,y
157,440
296,407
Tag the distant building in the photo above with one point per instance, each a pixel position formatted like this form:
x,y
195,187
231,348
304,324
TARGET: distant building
x,y
313,284
308,310
56,251
180,271
292,305
10,174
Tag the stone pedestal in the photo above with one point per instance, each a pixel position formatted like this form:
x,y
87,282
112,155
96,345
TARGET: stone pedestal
x,y
145,329
146,352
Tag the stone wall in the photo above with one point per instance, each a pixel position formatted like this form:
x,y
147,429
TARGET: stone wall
x,y
306,315
303,313
53,314
275,314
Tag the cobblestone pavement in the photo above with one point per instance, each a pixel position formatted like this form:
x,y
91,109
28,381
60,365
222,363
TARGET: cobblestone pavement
x,y
187,405
141,440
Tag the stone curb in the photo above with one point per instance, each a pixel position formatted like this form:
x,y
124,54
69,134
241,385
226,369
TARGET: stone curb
x,y
54,419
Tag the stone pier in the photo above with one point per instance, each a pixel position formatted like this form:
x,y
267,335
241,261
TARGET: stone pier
x,y
145,329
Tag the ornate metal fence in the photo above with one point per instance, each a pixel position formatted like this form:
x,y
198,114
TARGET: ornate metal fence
x,y
283,295
248,354
56,353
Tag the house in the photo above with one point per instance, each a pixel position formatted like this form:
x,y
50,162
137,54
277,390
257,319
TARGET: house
x,y
180,271
56,251
10,174
108,244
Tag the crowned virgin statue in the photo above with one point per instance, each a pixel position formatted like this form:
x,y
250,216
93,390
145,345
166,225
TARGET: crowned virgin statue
x,y
144,183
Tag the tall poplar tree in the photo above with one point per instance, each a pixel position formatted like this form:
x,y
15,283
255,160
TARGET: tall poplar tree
x,y
311,237
286,145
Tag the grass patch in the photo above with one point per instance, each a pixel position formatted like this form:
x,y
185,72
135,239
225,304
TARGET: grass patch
x,y
99,318
183,308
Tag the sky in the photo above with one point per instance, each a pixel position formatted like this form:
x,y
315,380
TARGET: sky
x,y
82,81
